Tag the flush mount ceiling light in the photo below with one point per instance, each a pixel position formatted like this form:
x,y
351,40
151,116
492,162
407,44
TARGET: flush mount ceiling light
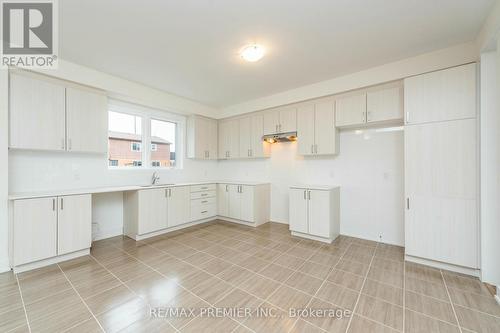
x,y
252,53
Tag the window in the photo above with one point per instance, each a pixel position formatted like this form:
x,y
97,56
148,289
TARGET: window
x,y
141,137
125,140
163,136
136,146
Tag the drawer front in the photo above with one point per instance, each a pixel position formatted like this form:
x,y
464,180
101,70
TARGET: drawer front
x,y
203,212
203,195
203,187
203,201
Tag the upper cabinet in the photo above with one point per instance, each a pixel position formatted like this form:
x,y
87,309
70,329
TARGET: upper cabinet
x,y
251,130
229,139
448,94
378,105
316,132
202,139
37,114
280,120
49,114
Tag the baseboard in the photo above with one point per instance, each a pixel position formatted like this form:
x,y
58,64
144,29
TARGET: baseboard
x,y
312,237
373,239
172,229
50,261
250,224
443,265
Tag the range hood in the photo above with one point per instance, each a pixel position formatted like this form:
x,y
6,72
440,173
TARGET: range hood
x,y
280,137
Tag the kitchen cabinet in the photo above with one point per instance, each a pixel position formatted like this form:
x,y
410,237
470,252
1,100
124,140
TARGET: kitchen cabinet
x,y
49,114
47,227
315,212
202,138
152,210
37,113
178,205
229,139
203,201
350,110
251,130
316,132
86,121
384,105
280,120
243,202
447,94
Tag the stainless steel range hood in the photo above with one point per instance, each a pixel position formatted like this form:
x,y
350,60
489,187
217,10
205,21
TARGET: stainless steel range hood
x,y
280,137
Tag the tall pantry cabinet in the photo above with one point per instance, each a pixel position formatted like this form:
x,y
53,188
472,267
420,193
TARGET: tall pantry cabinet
x,y
441,179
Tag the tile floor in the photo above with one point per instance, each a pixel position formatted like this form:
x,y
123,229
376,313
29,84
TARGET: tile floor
x,y
226,266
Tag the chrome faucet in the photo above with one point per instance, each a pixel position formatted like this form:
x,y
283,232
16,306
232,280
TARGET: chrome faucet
x,y
155,178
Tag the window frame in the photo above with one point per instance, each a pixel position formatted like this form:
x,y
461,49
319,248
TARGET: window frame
x,y
136,143
147,114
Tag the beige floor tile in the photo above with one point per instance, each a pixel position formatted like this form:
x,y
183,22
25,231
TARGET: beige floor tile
x,y
239,299
467,284
61,320
197,277
385,276
207,324
475,301
302,326
430,307
215,266
422,272
278,321
234,275
34,289
338,295
380,311
216,250
330,250
477,321
280,246
364,325
109,299
174,268
267,254
324,259
198,258
352,267
88,326
419,323
20,329
317,270
437,290
107,255
95,283
358,257
300,252
79,265
10,298
186,300
304,283
334,319
124,315
276,272
346,279
127,269
155,289
46,306
144,253
12,319
384,292
286,298
212,290
259,286
253,264
289,261
389,265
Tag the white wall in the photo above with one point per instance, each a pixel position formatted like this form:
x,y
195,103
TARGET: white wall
x,y
490,162
369,170
4,178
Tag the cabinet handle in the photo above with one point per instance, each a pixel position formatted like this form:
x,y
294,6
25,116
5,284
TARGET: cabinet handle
x,y
368,116
204,211
408,203
204,201
309,195
227,188
312,149
204,188
53,204
204,194
62,144
166,193
316,149
62,204
305,195
169,192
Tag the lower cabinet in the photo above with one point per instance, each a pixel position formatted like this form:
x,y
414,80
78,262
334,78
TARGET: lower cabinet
x,y
248,203
314,212
203,201
151,210
47,227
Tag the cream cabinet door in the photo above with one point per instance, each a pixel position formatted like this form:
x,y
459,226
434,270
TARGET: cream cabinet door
x,y
259,148
223,199
178,205
247,203
305,129
447,94
212,138
245,132
234,201
384,105
325,133
152,210
35,230
350,110
319,213
86,121
37,114
223,140
74,225
441,219
288,120
233,139
271,122
298,210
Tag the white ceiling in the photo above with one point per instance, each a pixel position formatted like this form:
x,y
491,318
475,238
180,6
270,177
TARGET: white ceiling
x,y
190,47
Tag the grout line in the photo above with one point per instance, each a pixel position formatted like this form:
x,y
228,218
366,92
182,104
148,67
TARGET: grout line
x,y
24,305
449,298
362,287
83,301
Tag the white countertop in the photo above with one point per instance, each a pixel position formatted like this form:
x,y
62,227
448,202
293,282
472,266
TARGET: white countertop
x,y
315,187
109,189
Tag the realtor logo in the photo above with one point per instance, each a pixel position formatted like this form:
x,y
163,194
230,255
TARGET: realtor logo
x,y
29,34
